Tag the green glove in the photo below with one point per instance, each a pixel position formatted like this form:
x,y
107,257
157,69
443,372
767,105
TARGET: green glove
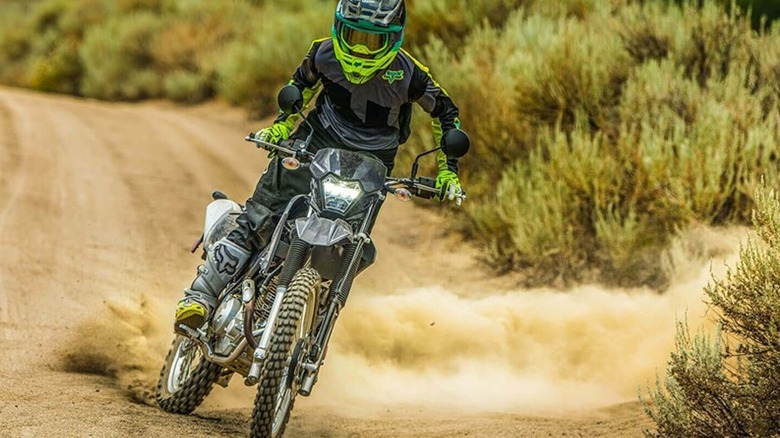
x,y
277,133
448,185
447,181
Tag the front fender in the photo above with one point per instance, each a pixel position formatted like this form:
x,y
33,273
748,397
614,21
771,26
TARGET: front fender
x,y
318,231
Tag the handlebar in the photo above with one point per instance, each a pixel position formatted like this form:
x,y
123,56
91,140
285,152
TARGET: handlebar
x,y
293,148
421,187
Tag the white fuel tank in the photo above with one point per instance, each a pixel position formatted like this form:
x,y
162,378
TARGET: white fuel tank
x,y
220,220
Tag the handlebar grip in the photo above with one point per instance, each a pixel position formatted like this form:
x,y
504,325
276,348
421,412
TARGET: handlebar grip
x,y
427,182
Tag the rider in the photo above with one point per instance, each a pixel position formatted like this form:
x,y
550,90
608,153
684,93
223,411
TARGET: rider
x,y
368,84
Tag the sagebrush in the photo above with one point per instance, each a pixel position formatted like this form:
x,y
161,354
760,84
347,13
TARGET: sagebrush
x,y
726,385
599,134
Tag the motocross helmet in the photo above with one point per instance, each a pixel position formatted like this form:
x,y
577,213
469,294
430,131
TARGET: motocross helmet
x,y
367,35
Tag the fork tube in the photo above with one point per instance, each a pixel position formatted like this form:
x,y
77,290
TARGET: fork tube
x,y
296,257
323,337
353,253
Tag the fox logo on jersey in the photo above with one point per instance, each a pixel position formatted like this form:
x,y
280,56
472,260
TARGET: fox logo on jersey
x,y
392,76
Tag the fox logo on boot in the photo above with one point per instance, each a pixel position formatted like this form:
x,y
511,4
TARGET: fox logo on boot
x,y
226,262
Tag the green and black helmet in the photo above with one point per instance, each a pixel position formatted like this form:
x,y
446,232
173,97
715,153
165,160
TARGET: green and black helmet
x,y
367,35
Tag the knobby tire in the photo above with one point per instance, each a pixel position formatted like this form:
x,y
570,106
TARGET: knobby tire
x,y
194,389
283,340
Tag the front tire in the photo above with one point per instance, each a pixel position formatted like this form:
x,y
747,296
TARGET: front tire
x,y
276,390
186,377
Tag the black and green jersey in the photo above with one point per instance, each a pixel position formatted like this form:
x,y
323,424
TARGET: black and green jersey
x,y
373,116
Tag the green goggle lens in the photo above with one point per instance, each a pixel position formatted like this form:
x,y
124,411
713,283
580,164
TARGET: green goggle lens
x,y
363,43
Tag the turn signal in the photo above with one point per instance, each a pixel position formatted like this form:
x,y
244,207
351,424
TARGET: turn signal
x,y
403,195
291,163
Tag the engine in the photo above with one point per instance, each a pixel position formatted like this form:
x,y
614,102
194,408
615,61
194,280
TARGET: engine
x,y
228,325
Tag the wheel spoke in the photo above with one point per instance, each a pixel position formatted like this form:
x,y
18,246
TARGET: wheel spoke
x,y
185,361
186,377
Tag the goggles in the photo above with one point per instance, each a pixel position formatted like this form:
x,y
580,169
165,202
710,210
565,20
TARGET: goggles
x,y
362,43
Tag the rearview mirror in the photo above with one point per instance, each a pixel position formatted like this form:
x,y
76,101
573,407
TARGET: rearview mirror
x,y
290,99
455,143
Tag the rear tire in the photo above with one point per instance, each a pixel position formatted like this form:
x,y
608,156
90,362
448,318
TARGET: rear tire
x,y
186,377
276,391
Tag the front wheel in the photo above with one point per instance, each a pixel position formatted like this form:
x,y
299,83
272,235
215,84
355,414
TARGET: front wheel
x,y
279,380
186,377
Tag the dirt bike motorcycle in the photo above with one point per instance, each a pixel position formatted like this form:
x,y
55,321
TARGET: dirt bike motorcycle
x,y
272,324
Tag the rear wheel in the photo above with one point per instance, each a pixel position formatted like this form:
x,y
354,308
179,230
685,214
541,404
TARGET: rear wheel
x,y
186,377
280,379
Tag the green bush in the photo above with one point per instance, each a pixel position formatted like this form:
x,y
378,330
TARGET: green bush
x,y
253,70
60,71
607,129
14,48
117,59
727,385
127,49
453,20
187,87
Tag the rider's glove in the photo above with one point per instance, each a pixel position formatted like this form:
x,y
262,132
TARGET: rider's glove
x,y
275,134
447,182
448,185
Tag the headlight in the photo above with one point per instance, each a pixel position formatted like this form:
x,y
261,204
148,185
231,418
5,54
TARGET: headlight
x,y
339,194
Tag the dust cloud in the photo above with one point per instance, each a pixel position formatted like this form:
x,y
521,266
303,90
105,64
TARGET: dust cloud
x,y
523,351
526,351
125,342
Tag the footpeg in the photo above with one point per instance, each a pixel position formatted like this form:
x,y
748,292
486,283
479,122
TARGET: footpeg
x,y
184,330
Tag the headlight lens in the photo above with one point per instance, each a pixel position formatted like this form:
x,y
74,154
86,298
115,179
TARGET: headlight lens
x,y
340,194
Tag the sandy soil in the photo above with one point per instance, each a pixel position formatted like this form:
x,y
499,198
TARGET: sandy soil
x,y
99,204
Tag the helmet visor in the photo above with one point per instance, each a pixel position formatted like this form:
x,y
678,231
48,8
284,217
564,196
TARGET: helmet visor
x,y
362,43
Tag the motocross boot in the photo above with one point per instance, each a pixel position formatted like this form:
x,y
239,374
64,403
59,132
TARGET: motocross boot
x,y
223,262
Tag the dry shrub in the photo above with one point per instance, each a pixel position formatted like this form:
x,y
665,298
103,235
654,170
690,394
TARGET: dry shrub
x,y
60,71
253,69
578,70
127,6
453,20
726,385
197,31
187,87
117,59
83,15
126,49
602,129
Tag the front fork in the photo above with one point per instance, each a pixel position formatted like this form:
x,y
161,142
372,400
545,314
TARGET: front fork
x,y
296,259
340,293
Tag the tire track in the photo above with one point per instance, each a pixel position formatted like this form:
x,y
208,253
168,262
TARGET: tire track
x,y
224,164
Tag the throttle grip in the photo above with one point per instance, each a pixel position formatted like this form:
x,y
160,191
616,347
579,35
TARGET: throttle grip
x,y
427,182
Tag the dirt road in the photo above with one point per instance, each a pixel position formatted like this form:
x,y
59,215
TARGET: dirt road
x,y
99,204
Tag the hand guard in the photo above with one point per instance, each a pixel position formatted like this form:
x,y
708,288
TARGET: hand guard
x,y
448,185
